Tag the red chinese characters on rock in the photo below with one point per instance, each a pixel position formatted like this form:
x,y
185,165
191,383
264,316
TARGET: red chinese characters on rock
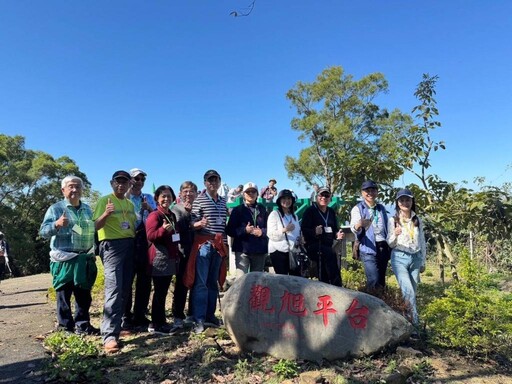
x,y
357,315
260,299
294,304
325,307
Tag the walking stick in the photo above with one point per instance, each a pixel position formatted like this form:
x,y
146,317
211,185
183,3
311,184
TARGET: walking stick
x,y
320,260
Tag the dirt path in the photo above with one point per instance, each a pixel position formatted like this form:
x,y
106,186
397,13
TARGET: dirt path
x,y
25,315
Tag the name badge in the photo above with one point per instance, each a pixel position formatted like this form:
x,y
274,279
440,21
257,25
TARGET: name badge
x,y
175,237
77,229
219,220
125,225
328,229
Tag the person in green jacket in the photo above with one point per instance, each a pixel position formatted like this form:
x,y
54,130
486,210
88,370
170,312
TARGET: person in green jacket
x,y
69,225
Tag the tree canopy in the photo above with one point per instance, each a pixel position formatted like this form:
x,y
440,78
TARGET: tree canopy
x,y
30,183
349,137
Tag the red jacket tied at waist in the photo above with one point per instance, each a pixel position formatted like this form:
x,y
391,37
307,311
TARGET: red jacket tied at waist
x,y
217,243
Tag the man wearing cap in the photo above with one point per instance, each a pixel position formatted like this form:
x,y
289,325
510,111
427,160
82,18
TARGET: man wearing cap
x,y
115,220
72,260
248,227
320,229
208,253
368,221
144,204
269,192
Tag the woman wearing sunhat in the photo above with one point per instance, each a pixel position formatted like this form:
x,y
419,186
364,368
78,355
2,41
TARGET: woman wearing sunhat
x,y
283,230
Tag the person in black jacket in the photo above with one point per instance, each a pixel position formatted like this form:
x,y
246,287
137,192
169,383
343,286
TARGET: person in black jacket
x,y
247,226
320,229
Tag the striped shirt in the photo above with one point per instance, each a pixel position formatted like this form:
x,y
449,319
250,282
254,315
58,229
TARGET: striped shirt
x,y
214,211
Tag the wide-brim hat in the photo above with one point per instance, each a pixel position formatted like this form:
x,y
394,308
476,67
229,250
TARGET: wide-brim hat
x,y
285,193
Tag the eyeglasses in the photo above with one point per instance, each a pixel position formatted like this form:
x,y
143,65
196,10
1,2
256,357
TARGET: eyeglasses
x,y
121,180
325,194
139,178
212,179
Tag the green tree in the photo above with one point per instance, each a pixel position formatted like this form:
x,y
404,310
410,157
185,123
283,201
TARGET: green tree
x,y
452,214
30,183
350,137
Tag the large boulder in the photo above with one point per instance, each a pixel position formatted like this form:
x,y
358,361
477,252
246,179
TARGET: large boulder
x,y
291,317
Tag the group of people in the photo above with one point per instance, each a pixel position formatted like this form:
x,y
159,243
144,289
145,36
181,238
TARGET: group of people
x,y
141,237
151,238
400,238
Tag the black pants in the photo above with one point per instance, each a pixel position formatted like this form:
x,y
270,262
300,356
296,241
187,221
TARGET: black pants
x,y
180,292
161,286
142,280
281,263
82,304
328,269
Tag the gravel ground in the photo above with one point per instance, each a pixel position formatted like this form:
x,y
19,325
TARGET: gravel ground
x,y
25,317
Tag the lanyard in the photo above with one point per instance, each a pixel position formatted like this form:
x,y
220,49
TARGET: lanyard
x,y
254,214
123,210
375,213
219,211
326,218
168,219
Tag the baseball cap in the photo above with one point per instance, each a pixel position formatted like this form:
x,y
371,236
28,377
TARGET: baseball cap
x,y
404,192
369,184
137,171
322,189
250,185
123,174
274,180
210,173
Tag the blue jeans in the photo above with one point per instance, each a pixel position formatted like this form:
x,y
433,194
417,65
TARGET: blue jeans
x,y
205,291
406,267
375,266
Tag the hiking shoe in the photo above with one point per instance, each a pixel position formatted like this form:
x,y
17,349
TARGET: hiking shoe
x,y
213,322
63,328
111,346
177,326
198,327
88,330
163,329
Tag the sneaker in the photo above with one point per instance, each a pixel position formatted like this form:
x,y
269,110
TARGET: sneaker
x,y
177,326
189,321
88,330
213,322
198,327
159,329
111,346
63,328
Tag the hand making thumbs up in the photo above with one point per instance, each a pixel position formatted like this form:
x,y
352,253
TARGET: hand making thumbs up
x,y
62,221
110,208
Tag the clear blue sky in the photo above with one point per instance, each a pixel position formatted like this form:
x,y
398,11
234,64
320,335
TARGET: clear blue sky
x,y
178,87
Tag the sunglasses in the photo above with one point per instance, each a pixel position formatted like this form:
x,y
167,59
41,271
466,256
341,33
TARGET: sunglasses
x,y
139,178
251,191
325,194
121,180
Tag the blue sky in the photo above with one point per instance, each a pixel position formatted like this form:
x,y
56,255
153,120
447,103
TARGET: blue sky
x,y
178,87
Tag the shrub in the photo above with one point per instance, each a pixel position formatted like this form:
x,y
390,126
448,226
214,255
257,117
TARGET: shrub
x,y
473,315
